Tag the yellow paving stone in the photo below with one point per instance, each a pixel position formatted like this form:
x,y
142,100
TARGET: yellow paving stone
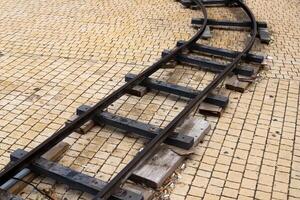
x,y
59,55
232,185
177,197
196,191
191,198
215,190
262,195
229,192
182,189
211,196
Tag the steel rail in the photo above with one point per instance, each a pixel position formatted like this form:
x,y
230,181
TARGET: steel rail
x,y
64,132
150,148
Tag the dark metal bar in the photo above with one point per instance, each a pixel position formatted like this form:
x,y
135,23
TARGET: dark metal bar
x,y
189,3
72,178
214,22
145,130
263,32
170,88
214,2
61,134
9,184
149,149
250,57
209,65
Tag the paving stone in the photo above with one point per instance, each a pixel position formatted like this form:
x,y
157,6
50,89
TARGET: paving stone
x,y
60,55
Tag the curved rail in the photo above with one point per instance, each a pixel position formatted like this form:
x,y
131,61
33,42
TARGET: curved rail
x,y
61,134
150,148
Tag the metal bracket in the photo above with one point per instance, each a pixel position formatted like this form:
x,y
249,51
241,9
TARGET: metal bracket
x,y
249,57
132,126
209,65
207,33
72,178
190,3
187,92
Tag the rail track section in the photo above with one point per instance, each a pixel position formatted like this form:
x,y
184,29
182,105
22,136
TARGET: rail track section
x,y
23,162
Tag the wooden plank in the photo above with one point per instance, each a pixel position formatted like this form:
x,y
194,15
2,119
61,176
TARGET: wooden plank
x,y
211,110
193,127
157,169
84,128
146,192
214,110
138,91
54,154
249,79
233,83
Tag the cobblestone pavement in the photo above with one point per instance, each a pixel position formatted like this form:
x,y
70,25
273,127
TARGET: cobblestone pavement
x,y
59,54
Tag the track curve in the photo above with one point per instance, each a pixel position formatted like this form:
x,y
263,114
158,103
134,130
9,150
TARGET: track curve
x,y
149,149
68,129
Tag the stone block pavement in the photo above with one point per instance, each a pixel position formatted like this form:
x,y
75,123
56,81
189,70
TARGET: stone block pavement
x,y
59,54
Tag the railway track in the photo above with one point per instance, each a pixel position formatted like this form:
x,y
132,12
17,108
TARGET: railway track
x,y
180,54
